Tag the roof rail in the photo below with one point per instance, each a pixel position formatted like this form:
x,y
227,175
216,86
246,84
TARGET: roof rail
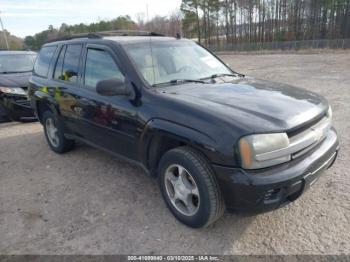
x,y
128,33
101,34
75,36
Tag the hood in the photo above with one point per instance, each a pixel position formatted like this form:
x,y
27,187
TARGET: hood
x,y
257,105
15,80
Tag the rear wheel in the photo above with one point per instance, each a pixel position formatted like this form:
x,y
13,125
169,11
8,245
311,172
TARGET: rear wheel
x,y
189,187
54,134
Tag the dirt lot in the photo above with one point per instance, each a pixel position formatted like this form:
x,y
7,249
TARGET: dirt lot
x,y
87,202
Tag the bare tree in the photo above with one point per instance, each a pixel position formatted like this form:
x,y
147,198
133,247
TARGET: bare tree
x,y
259,21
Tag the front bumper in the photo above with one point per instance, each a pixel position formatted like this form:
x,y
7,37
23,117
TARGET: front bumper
x,y
17,107
270,188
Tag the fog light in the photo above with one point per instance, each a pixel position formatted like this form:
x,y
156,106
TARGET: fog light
x,y
272,194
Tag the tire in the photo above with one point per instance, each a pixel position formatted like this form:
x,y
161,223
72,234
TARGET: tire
x,y
61,144
202,210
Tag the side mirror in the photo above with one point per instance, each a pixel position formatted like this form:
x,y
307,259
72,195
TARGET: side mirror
x,y
112,87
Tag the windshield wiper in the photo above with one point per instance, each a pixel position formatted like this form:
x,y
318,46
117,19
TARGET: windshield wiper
x,y
179,81
224,74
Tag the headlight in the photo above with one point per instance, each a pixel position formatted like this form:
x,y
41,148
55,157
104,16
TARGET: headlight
x,y
13,90
253,150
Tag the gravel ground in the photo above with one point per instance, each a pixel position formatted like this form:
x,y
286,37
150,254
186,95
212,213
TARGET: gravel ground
x,y
87,202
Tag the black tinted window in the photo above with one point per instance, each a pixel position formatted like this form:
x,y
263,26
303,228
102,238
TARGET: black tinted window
x,y
71,63
42,64
59,65
100,66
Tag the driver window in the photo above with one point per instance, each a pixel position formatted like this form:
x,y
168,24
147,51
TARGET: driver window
x,y
100,66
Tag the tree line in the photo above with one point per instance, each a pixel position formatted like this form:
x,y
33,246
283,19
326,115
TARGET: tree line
x,y
14,42
36,41
167,25
252,21
225,22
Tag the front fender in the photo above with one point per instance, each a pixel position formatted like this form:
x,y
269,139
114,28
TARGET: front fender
x,y
185,134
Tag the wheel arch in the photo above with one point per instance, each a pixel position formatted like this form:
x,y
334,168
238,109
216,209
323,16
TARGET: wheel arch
x,y
43,102
160,136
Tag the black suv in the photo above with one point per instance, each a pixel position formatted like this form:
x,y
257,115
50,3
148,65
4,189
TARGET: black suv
x,y
213,138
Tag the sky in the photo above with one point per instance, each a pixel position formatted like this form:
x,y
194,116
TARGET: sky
x,y
27,17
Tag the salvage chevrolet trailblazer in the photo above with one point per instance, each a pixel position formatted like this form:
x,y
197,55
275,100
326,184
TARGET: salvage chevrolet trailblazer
x,y
213,138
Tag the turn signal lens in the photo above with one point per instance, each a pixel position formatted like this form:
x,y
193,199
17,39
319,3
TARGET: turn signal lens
x,y
245,151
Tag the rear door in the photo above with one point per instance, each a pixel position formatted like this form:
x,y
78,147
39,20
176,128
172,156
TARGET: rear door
x,y
66,78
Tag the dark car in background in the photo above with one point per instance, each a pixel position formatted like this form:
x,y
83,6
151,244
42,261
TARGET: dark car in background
x,y
213,138
15,70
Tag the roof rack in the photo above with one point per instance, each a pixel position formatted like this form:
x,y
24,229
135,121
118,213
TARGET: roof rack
x,y
128,33
74,36
101,34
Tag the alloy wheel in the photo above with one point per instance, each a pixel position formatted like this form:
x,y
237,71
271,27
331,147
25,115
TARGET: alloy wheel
x,y
182,190
52,132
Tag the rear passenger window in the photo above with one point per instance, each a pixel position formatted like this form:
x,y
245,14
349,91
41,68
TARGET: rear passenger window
x,y
42,64
69,70
100,66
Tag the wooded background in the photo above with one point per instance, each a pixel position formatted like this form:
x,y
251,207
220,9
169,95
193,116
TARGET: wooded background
x,y
252,21
228,24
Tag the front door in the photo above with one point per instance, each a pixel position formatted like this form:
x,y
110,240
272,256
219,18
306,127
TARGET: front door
x,y
106,121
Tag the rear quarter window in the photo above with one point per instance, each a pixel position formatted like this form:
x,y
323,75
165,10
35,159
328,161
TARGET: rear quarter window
x,y
42,64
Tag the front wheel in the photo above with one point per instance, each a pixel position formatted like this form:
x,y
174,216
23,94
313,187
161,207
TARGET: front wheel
x,y
189,187
55,135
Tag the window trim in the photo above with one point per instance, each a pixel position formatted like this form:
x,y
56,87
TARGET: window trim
x,y
62,47
101,48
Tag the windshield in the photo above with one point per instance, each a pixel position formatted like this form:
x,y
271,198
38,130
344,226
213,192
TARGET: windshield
x,y
16,63
163,62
